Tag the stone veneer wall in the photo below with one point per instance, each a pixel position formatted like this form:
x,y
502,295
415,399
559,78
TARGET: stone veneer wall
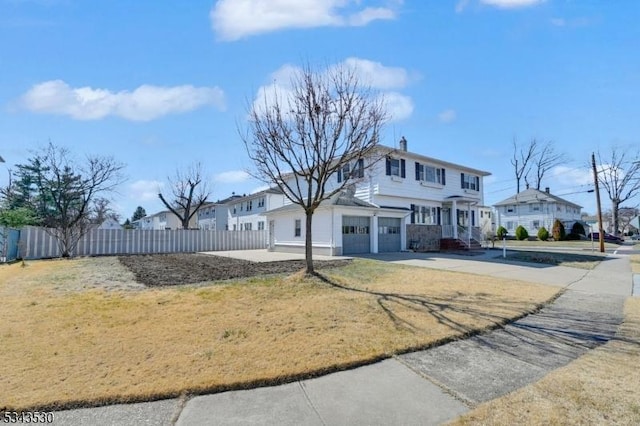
x,y
427,237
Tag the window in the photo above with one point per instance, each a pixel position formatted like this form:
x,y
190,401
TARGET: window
x,y
261,225
297,229
261,202
509,209
395,167
509,225
234,227
536,224
234,208
534,207
248,226
425,215
426,173
468,181
346,172
249,205
388,229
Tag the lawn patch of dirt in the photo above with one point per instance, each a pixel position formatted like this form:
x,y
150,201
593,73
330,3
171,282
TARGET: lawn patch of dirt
x,y
188,268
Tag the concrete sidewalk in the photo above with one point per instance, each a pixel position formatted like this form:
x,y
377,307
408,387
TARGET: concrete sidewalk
x,y
427,387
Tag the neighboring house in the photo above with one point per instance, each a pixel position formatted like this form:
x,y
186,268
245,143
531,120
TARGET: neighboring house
x,y
592,223
247,213
162,221
487,221
405,201
534,209
214,216
109,223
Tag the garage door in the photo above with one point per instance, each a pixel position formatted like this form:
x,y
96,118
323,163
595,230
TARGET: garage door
x,y
355,235
388,234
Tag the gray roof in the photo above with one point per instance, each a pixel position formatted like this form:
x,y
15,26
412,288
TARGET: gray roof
x,y
529,196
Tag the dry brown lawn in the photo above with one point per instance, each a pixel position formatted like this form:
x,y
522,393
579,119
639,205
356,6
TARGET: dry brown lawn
x,y
82,332
635,263
602,387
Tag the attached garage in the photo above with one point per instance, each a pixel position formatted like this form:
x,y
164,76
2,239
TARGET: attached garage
x,y
356,234
389,238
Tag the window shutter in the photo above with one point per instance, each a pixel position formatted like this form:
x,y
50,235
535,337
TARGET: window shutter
x,y
473,218
340,175
360,168
417,171
439,222
462,180
413,213
388,166
444,180
477,183
402,168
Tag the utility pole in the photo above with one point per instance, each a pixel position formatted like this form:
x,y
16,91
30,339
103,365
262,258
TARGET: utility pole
x,y
595,181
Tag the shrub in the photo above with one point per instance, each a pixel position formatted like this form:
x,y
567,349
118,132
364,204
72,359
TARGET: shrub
x,y
578,229
501,232
521,233
558,231
543,234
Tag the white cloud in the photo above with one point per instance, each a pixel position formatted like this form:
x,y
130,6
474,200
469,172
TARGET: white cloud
x,y
233,176
570,176
461,5
143,104
512,4
145,190
399,106
447,116
377,75
368,72
235,19
570,23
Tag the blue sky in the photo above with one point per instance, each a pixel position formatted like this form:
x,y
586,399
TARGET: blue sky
x,y
160,85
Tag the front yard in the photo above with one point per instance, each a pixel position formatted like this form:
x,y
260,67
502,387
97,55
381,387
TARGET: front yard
x,y
86,332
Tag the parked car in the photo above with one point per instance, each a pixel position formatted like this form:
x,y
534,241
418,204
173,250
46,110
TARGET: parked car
x,y
608,238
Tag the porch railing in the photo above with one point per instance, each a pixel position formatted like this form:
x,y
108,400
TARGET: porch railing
x,y
463,232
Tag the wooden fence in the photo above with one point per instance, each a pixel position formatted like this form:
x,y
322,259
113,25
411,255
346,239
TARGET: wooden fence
x,y
35,243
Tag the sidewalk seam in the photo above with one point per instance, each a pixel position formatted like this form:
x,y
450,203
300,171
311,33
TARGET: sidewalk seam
x,y
466,401
182,402
313,407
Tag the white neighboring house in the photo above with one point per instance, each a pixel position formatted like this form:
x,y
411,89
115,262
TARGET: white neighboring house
x,y
247,213
534,209
405,201
109,223
214,216
163,220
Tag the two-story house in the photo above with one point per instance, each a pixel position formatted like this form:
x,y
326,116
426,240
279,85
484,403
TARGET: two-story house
x,y
404,201
534,209
214,216
247,213
163,220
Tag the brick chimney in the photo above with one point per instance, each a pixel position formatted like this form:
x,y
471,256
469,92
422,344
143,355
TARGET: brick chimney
x,y
547,190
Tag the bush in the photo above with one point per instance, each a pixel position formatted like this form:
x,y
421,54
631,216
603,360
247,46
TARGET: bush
x,y
501,232
578,229
521,233
558,231
543,234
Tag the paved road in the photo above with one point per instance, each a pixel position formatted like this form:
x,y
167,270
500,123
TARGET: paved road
x,y
427,387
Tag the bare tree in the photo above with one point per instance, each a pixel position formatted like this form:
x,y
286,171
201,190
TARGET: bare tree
x,y
521,160
63,191
619,174
545,159
189,191
299,140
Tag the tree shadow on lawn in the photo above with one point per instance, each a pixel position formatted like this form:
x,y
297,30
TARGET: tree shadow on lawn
x,y
446,311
